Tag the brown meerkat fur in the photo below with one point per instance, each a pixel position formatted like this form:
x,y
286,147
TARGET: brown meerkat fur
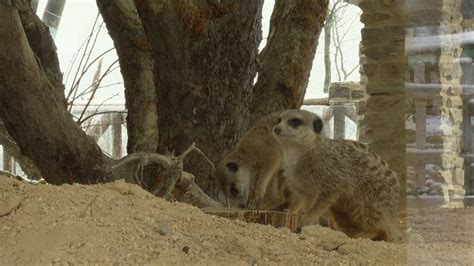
x,y
356,187
249,174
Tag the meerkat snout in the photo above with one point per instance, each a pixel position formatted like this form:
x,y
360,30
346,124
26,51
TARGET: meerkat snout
x,y
277,130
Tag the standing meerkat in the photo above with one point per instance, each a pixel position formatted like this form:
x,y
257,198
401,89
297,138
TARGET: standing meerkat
x,y
357,188
250,173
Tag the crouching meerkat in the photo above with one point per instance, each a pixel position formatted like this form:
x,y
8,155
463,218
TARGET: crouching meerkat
x,y
250,174
357,189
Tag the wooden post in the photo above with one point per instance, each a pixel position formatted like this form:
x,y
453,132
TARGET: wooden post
x,y
419,174
117,136
467,71
339,121
7,161
52,15
420,105
419,76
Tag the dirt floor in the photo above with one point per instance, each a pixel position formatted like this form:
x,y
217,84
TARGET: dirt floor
x,y
121,223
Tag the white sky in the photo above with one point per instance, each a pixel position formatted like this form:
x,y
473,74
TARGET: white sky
x,y
79,15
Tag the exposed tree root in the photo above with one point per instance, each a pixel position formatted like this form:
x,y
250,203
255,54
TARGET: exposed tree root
x,y
171,182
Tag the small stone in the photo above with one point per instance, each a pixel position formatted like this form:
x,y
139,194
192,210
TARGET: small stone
x,y
186,249
165,230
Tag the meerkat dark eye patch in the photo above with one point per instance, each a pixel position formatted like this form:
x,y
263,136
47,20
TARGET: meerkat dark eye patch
x,y
233,167
318,125
295,122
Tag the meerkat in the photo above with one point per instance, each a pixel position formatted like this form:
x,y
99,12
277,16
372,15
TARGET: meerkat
x,y
250,174
357,189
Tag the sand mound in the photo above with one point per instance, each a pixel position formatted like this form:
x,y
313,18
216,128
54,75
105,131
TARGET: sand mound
x,y
121,223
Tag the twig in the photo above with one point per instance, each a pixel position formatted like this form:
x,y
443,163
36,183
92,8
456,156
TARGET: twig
x,y
194,148
89,38
96,84
206,158
100,113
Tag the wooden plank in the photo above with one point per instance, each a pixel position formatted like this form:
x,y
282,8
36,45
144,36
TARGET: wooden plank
x,y
322,101
274,218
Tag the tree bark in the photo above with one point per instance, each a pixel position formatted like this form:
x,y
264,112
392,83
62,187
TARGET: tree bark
x,y
285,62
136,65
204,54
42,45
61,150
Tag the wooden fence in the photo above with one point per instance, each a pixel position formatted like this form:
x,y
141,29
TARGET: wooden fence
x,y
424,88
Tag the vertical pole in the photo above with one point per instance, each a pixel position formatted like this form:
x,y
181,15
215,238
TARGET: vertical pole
x,y
117,136
52,15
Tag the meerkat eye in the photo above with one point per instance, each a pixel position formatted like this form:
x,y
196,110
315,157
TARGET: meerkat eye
x,y
295,122
279,120
232,167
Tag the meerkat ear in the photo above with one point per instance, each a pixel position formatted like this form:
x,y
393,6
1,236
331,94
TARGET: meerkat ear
x,y
233,167
318,125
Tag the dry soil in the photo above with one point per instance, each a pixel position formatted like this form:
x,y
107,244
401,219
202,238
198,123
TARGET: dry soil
x,y
121,223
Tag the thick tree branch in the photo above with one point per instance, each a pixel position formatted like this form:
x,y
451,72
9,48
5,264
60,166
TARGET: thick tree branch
x,y
136,65
60,149
42,45
285,62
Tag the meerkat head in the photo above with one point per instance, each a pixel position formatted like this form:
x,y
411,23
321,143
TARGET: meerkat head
x,y
234,179
298,127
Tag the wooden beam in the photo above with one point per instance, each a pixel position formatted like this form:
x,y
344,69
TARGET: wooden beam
x,y
322,101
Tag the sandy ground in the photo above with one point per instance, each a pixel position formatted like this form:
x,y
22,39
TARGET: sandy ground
x,y
121,223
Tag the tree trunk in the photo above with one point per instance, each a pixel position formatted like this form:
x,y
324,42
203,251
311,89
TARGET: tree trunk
x,y
285,62
61,150
205,54
136,65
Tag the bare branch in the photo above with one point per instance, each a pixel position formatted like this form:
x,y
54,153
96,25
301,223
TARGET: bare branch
x,y
83,54
96,85
100,113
